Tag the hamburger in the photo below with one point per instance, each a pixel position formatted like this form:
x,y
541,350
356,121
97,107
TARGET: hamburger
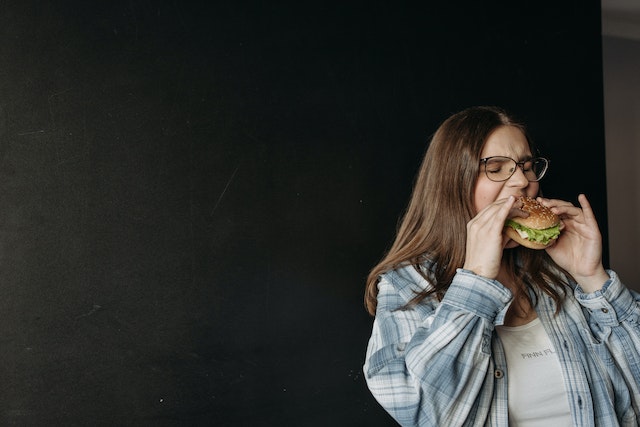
x,y
539,230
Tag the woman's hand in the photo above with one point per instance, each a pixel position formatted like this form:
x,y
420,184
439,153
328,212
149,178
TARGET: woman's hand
x,y
579,248
485,238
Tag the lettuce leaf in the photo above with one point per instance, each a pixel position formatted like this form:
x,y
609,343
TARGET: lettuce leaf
x,y
540,236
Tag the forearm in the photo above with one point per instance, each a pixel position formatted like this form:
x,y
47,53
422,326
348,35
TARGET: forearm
x,y
430,386
613,314
445,359
611,306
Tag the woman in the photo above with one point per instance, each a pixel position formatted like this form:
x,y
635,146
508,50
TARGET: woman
x,y
472,329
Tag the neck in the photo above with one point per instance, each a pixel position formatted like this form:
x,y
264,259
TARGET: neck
x,y
520,311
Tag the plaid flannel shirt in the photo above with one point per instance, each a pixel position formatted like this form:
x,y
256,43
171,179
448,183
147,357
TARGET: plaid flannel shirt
x,y
442,364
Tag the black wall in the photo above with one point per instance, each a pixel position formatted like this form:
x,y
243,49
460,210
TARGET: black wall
x,y
191,194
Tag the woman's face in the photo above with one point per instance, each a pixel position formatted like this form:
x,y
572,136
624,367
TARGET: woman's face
x,y
507,141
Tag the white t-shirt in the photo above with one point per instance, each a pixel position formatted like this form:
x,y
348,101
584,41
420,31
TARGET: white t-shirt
x,y
537,395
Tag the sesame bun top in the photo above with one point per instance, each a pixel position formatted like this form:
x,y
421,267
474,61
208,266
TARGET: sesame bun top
x,y
540,217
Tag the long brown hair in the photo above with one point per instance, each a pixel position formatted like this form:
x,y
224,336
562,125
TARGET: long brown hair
x,y
433,227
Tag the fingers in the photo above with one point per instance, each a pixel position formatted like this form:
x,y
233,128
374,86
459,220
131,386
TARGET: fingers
x,y
507,208
517,212
493,217
554,203
579,248
566,210
485,240
510,204
586,208
562,208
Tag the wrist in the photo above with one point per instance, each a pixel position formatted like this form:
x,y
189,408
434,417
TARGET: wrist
x,y
480,271
593,282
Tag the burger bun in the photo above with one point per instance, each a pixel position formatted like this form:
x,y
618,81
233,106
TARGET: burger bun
x,y
540,218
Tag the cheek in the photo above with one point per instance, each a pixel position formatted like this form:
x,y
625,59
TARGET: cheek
x,y
533,189
485,193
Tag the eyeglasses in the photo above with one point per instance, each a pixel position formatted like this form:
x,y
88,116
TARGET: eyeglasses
x,y
499,168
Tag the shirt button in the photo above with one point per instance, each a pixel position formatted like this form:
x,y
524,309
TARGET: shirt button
x,y
604,310
498,373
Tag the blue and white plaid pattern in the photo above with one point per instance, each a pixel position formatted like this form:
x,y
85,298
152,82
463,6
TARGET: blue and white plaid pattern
x,y
442,364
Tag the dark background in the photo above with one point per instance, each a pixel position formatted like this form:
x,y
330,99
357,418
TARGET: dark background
x,y
192,194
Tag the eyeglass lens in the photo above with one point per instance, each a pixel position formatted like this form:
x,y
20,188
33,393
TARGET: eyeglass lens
x,y
501,168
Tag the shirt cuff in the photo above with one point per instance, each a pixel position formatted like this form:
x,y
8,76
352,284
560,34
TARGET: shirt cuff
x,y
484,297
611,304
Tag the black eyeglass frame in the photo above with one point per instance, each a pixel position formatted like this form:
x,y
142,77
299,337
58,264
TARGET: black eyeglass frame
x,y
518,164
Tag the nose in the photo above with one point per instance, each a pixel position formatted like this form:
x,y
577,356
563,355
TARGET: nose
x,y
518,179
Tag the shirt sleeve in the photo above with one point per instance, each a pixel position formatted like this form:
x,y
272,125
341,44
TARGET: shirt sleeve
x,y
613,314
431,364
